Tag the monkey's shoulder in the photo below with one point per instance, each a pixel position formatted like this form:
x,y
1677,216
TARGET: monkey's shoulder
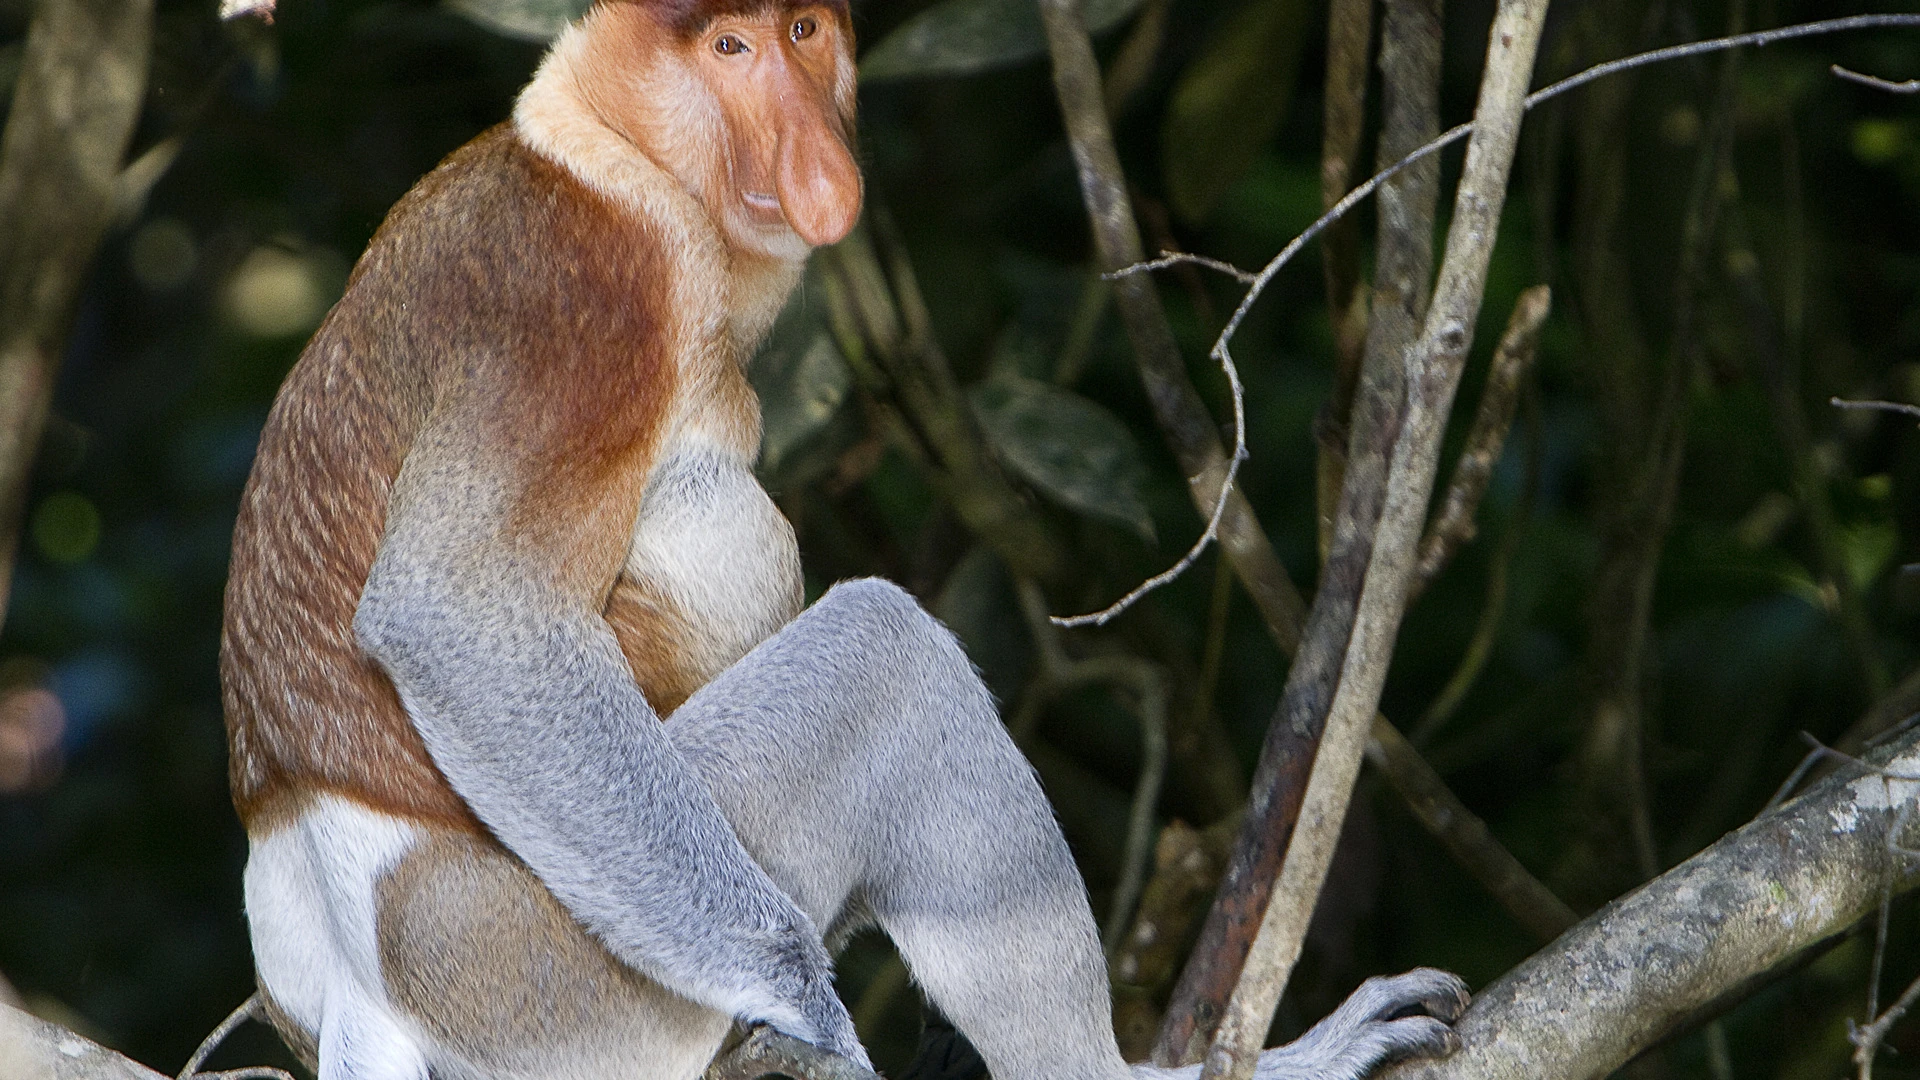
x,y
499,251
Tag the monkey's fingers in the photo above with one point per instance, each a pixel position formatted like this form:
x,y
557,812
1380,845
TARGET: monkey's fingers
x,y
766,1052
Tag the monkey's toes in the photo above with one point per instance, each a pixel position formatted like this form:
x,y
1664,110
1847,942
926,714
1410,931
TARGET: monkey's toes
x,y
1430,991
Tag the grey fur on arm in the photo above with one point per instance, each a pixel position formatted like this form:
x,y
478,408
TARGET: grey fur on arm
x,y
527,706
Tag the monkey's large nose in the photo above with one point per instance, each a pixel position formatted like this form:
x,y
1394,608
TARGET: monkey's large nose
x,y
818,183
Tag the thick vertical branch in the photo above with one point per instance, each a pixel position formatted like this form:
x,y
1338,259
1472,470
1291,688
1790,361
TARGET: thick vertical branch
x,y
1433,368
1410,59
82,79
1403,244
1349,33
1190,432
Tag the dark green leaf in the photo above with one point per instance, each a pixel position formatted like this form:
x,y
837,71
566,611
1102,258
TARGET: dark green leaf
x,y
1230,101
1070,449
960,37
801,389
529,20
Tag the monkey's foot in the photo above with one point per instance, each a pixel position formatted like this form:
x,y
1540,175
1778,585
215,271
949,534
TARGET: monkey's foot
x,y
1389,1018
766,1052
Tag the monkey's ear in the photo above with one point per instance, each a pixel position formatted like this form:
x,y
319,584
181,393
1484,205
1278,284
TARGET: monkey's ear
x,y
818,182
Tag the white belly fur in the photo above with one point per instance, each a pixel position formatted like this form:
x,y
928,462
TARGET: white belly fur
x,y
310,904
311,894
710,542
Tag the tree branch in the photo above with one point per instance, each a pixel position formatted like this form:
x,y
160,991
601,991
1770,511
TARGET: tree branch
x,y
83,77
1455,524
1433,368
1465,836
33,1049
1648,964
1182,416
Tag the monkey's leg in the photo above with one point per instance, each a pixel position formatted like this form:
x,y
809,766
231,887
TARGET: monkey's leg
x,y
862,763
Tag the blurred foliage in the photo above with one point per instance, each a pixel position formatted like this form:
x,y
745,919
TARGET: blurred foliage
x,y
964,37
120,858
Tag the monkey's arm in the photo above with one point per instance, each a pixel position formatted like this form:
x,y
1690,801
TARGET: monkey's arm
x,y
507,525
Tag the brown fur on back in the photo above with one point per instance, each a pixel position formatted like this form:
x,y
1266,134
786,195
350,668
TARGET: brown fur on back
x,y
501,266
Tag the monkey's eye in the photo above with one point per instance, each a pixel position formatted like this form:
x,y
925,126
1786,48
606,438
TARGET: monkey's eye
x,y
803,28
729,45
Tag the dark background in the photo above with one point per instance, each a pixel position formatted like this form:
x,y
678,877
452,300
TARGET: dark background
x,y
120,856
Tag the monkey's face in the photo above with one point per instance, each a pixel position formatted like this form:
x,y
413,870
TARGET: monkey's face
x,y
751,109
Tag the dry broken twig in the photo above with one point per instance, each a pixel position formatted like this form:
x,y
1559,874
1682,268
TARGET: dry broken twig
x,y
1183,418
1455,524
1883,406
1909,86
1867,1038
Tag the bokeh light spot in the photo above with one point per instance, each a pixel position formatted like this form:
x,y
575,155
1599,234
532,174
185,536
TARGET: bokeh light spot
x,y
66,527
162,255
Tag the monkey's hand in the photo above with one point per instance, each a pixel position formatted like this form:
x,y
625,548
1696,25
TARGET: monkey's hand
x,y
486,614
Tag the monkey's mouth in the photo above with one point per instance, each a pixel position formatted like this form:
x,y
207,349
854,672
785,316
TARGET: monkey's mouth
x,y
764,207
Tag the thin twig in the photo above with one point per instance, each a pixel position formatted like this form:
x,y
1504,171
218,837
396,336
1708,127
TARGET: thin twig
x,y
1207,535
1221,351
1465,836
1866,1040
1799,773
1188,426
1845,758
1884,406
1909,86
249,1009
1454,525
1152,713
1175,258
244,1012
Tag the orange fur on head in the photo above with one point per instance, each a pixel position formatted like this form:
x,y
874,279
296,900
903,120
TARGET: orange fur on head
x,y
749,105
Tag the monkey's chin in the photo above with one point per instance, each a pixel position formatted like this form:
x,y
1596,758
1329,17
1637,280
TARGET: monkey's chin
x,y
768,239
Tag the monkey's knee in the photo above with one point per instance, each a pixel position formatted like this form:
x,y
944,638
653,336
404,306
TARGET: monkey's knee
x,y
894,636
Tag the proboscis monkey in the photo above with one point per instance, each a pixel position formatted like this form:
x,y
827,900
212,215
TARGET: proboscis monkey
x,y
544,770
